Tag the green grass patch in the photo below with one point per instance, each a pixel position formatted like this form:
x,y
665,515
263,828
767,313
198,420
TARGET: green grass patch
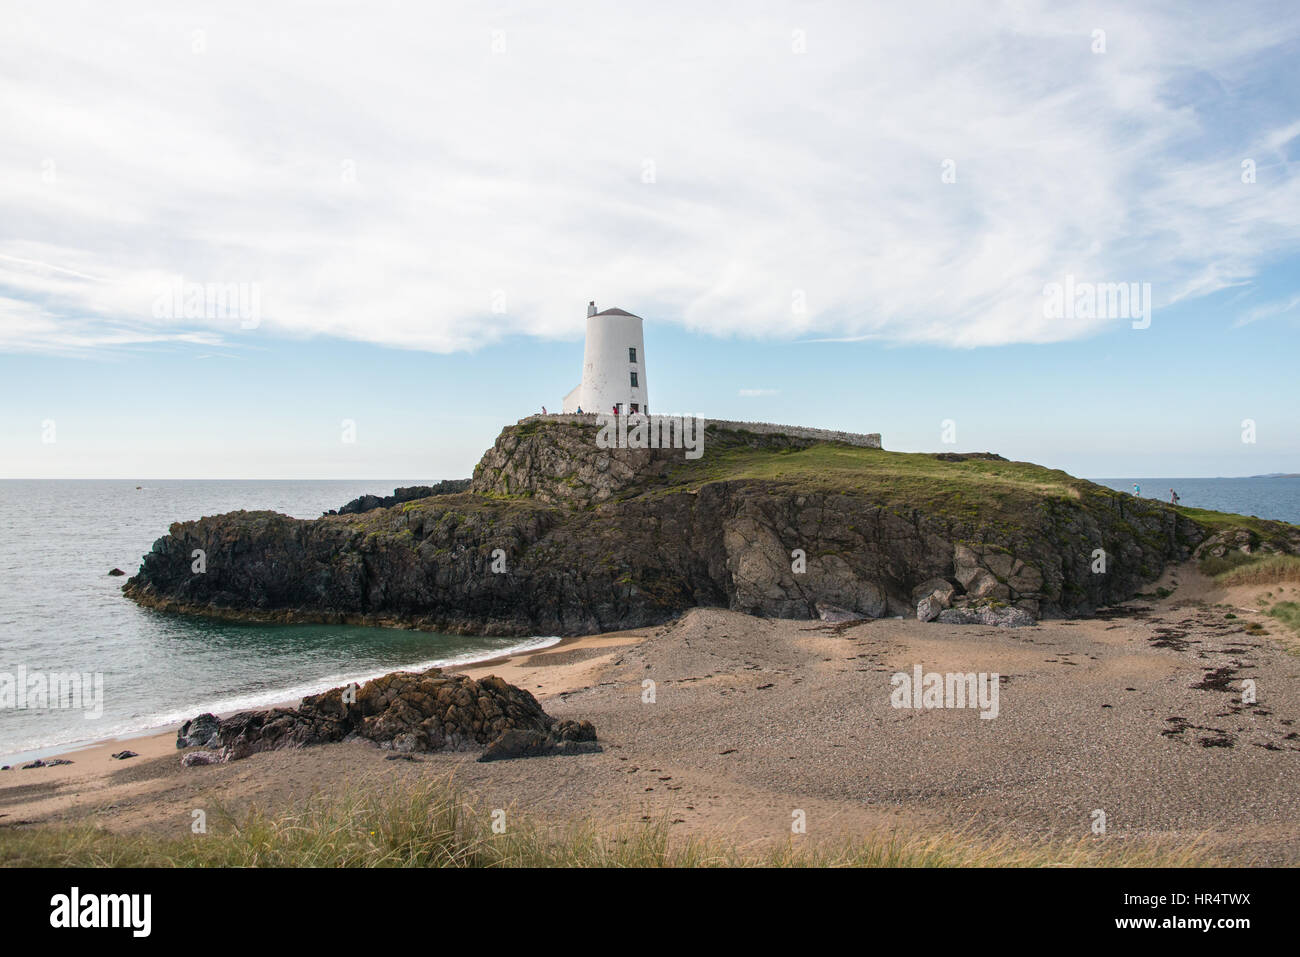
x,y
969,489
1262,530
1287,612
1223,521
1259,570
1217,567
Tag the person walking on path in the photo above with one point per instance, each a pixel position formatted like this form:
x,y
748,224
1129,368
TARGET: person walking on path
x,y
1137,489
1173,497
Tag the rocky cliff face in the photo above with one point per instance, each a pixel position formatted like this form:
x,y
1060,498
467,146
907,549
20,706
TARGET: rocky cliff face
x,y
557,536
561,462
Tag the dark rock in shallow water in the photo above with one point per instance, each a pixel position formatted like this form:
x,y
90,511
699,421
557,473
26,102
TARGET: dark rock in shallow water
x,y
403,712
38,763
115,572
200,732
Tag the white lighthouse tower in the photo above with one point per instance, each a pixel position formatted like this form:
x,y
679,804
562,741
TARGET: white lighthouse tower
x,y
613,366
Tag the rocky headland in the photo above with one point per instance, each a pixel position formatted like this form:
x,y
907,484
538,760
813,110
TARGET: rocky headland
x,y
555,535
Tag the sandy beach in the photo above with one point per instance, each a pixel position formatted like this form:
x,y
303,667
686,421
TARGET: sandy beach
x,y
1137,712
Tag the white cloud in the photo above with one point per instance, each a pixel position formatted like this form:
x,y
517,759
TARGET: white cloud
x,y
383,175
1269,311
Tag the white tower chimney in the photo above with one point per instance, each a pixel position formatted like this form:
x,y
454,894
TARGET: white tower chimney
x,y
613,366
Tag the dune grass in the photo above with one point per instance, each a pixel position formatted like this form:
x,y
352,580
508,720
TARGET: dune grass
x,y
429,824
1236,568
1288,613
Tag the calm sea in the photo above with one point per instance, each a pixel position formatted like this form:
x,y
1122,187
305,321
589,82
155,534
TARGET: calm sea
x,y
60,611
1266,497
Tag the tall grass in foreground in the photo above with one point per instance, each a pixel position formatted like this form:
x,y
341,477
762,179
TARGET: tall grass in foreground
x,y
1238,569
429,824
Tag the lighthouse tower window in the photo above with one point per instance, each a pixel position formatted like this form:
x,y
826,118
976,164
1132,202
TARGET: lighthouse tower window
x,y
634,380
631,353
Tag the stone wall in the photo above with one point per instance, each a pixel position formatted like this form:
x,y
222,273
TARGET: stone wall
x,y
864,440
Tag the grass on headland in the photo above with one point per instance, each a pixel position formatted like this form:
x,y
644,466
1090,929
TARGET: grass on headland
x,y
1223,521
428,824
1262,530
970,489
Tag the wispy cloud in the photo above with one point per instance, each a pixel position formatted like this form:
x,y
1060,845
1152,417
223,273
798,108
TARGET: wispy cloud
x,y
1272,310
442,178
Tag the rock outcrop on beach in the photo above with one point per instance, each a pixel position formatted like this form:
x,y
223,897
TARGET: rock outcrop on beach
x,y
200,732
556,535
404,711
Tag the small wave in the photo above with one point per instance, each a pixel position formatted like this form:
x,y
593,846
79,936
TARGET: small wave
x,y
146,724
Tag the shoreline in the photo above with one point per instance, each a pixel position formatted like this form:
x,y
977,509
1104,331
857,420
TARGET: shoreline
x,y
67,749
71,790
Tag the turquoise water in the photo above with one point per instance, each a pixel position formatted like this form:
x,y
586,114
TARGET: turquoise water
x,y
61,612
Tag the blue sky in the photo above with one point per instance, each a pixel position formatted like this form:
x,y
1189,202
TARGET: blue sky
x,y
1167,400
424,209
